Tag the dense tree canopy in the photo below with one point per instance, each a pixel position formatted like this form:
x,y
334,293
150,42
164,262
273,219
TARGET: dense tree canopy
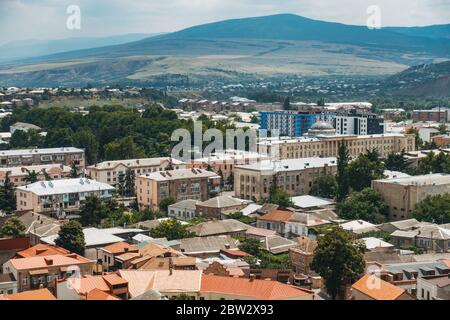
x,y
280,197
365,205
338,258
363,170
71,237
396,162
434,209
12,228
432,163
341,177
171,229
7,196
324,186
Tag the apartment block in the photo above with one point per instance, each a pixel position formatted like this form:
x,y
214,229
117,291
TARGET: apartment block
x,y
59,196
293,123
182,184
112,172
328,145
18,175
403,194
358,123
295,176
34,157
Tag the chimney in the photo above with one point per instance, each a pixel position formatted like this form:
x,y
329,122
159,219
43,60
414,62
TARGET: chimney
x,y
125,249
48,261
170,266
137,161
252,277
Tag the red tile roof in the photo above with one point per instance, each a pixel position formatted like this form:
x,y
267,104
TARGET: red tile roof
x,y
255,289
41,294
119,248
58,260
381,290
41,250
277,216
97,294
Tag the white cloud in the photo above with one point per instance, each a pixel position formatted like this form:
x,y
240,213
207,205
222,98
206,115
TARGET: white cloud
x,y
46,19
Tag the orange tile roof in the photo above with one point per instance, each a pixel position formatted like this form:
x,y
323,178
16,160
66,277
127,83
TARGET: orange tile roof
x,y
41,294
58,260
102,283
155,250
255,289
119,248
41,250
236,253
97,294
383,291
114,279
277,216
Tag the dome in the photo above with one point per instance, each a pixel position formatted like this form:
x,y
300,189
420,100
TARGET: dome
x,y
322,125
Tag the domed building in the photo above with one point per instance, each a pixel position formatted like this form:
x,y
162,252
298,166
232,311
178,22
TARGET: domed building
x,y
321,128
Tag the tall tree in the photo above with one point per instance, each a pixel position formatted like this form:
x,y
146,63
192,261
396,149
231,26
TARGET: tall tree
x,y
287,104
362,171
124,148
12,228
166,202
32,176
129,183
435,209
73,171
59,137
280,197
341,177
71,237
86,139
92,211
324,186
47,177
338,258
171,229
7,196
366,205
396,162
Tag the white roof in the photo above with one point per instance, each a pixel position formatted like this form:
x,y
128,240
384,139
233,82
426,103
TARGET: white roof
x,y
427,179
180,174
26,152
92,237
65,186
251,208
372,243
357,225
147,162
308,201
290,164
395,174
141,238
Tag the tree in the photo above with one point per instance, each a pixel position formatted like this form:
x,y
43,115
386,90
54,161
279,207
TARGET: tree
x,y
92,211
31,177
396,162
415,132
324,186
321,102
171,229
442,129
124,148
434,163
129,183
86,139
59,137
362,171
341,177
47,177
19,139
254,119
12,228
251,246
71,237
166,202
338,258
280,197
7,196
287,104
435,209
365,205
73,171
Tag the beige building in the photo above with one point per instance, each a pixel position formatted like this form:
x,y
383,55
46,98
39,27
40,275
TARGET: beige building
x,y
295,176
18,175
59,196
182,184
34,157
111,171
328,145
403,194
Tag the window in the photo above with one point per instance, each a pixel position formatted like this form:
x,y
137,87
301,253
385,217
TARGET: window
x,y
25,281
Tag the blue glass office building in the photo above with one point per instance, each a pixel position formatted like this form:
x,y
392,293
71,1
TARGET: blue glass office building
x,y
292,123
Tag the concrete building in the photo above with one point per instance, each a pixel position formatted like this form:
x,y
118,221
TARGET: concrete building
x,y
430,115
18,175
183,210
358,123
403,194
214,208
183,184
59,196
112,172
34,157
328,145
295,176
293,123
434,288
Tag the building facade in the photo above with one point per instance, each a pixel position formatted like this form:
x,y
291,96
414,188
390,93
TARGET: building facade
x,y
295,176
34,157
403,194
183,184
293,123
328,146
59,197
360,124
18,175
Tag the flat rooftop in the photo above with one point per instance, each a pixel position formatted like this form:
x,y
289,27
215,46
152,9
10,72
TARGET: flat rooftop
x,y
30,152
428,179
287,165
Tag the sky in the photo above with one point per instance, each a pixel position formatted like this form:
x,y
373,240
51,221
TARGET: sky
x,y
47,19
